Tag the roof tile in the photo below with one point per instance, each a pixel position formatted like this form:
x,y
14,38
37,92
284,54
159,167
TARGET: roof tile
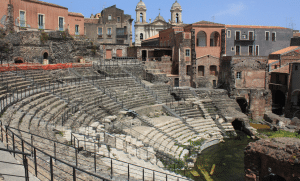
x,y
285,50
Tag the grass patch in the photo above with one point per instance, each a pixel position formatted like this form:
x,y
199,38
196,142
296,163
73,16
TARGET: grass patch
x,y
278,134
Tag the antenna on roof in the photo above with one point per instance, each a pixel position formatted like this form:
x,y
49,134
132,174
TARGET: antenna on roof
x,y
104,5
159,10
213,18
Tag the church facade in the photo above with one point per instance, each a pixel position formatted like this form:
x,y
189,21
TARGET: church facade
x,y
144,29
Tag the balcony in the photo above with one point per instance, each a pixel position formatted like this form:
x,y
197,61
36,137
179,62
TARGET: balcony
x,y
108,36
100,36
122,36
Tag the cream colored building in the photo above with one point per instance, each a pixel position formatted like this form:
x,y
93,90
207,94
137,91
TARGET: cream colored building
x,y
144,29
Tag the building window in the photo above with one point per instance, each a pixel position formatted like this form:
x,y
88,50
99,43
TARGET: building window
x,y
141,36
213,70
237,50
214,39
244,37
41,21
201,39
239,75
61,24
267,35
274,36
76,29
188,70
250,50
201,70
177,18
237,35
99,32
109,17
228,34
109,32
256,50
251,35
118,19
141,17
187,52
22,19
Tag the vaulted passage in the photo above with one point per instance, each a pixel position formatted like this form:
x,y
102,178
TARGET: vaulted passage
x,y
237,125
243,104
278,102
45,55
18,61
273,177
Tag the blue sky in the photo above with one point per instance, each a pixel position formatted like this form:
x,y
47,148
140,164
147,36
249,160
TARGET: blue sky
x,y
283,13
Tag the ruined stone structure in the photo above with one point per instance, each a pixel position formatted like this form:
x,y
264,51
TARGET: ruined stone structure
x,y
35,46
272,159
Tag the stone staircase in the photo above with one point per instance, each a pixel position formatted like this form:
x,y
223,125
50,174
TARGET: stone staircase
x,y
163,92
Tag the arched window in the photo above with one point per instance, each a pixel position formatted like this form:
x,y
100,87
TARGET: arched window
x,y
141,17
214,39
201,39
45,55
141,36
177,18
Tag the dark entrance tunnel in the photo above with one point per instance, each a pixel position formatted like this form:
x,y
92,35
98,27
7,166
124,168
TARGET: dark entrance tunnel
x,y
238,125
176,97
278,98
243,104
45,55
18,61
273,177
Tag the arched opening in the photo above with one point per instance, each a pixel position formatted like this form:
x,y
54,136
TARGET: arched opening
x,y
45,55
238,125
177,98
144,55
213,70
201,39
18,60
141,17
214,39
243,104
177,18
273,177
141,36
278,102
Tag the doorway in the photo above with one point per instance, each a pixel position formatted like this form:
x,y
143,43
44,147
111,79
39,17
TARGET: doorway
x,y
243,104
144,55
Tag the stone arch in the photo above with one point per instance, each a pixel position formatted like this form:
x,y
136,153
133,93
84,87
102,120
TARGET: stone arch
x,y
278,98
237,124
141,17
242,103
18,60
141,36
273,177
77,59
201,39
215,39
45,54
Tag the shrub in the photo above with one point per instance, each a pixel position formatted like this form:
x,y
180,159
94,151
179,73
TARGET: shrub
x,y
44,37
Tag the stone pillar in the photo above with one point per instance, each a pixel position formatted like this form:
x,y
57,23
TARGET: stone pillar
x,y
193,59
222,42
10,18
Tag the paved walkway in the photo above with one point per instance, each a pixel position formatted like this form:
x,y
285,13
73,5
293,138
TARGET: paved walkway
x,y
10,166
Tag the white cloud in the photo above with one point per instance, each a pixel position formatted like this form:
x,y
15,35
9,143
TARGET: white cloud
x,y
232,9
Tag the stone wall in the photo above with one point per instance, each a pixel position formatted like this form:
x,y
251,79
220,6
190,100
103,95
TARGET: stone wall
x,y
277,157
30,46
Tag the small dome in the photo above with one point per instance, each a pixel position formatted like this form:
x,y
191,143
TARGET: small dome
x,y
176,5
159,17
141,4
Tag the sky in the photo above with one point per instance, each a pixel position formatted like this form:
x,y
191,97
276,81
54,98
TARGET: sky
x,y
283,13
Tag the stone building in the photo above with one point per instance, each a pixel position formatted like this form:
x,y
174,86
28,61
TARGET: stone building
x,y
272,159
280,76
248,40
109,26
21,15
112,29
145,30
292,107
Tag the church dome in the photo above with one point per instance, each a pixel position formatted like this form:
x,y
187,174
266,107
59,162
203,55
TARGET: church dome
x,y
159,17
141,4
176,5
